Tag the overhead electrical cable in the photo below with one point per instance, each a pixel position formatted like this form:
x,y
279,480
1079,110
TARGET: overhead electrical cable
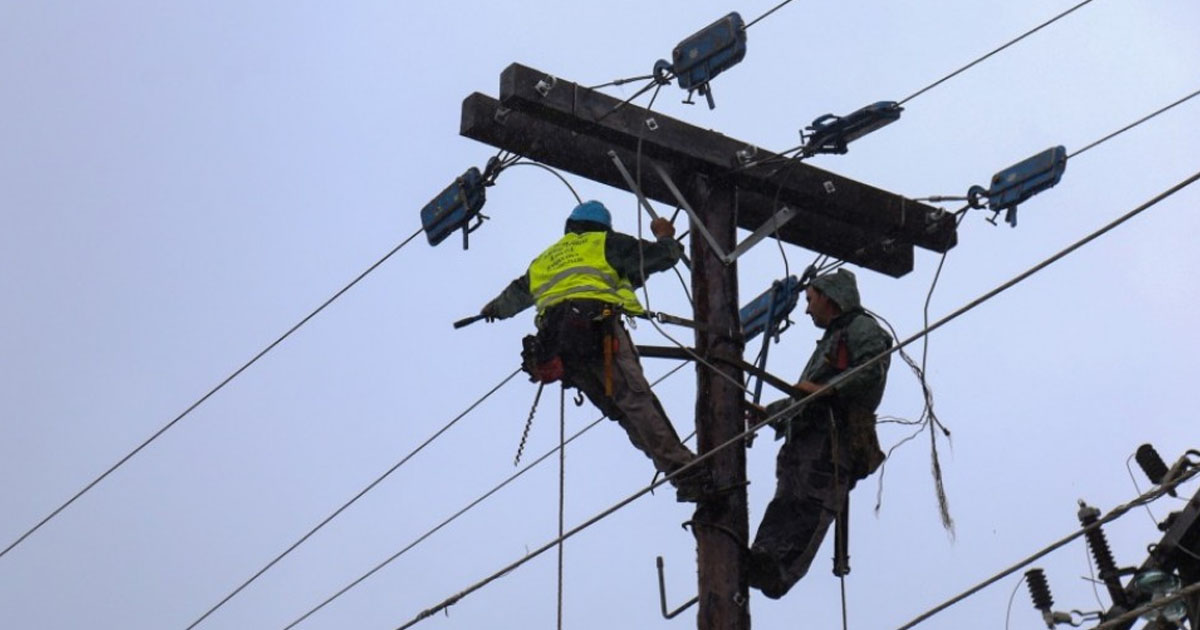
x,y
983,58
1134,124
205,397
352,500
1112,515
739,438
464,510
763,16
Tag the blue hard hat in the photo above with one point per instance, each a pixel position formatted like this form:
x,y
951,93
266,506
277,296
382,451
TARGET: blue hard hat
x,y
593,211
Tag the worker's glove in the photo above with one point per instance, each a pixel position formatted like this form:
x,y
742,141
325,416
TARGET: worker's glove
x,y
662,228
490,312
780,420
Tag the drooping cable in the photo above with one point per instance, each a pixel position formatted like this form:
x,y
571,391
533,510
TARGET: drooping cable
x,y
1112,515
554,172
739,439
352,500
206,396
997,50
462,511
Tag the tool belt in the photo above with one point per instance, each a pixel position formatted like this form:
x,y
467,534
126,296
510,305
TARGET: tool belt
x,y
570,332
855,431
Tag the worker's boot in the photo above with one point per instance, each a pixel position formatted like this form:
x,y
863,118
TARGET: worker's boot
x,y
765,573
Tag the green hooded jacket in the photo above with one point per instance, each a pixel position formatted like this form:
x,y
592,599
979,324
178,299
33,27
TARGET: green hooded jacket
x,y
851,339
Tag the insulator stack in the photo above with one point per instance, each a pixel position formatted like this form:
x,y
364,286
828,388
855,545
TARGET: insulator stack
x,y
1096,540
1151,463
1098,544
1039,591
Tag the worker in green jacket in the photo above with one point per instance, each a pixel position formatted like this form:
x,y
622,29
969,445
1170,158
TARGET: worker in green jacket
x,y
581,285
830,441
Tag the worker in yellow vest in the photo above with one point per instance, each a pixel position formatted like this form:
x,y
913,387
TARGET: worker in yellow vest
x,y
581,285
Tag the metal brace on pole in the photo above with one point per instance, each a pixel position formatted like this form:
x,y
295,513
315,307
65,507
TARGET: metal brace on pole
x,y
776,221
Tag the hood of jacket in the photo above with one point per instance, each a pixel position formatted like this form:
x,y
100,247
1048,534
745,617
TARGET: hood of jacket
x,y
841,287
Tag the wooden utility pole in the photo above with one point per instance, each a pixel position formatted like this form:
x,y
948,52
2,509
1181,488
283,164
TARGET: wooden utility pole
x,y
720,524
567,126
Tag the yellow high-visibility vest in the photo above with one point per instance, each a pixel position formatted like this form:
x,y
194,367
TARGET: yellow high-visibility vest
x,y
575,268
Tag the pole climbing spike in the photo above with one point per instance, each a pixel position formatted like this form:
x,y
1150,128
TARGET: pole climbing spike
x,y
1019,182
831,133
456,206
698,59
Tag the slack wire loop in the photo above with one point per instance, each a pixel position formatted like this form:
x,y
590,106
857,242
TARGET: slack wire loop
x,y
353,499
205,397
738,439
981,59
464,510
1113,515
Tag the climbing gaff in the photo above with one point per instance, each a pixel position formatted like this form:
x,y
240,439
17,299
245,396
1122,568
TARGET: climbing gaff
x,y
697,60
1019,182
832,134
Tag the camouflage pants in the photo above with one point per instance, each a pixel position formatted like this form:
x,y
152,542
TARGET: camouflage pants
x,y
810,492
632,404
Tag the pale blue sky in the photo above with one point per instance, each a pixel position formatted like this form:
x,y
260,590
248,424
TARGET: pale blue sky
x,y
181,182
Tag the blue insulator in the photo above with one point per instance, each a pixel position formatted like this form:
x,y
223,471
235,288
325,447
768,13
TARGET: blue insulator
x,y
454,208
767,311
712,50
831,133
1021,181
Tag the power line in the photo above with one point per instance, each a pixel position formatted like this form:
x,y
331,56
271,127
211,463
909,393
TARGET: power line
x,y
1114,514
763,16
464,510
738,439
205,397
353,499
981,59
1134,124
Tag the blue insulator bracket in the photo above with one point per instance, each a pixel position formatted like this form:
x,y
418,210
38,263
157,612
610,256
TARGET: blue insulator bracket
x,y
698,59
767,312
832,134
1019,182
455,207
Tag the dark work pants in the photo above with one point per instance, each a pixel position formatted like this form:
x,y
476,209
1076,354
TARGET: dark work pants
x,y
810,491
632,404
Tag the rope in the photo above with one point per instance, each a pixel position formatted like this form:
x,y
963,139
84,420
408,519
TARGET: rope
x,y
1114,514
347,504
205,397
981,59
462,511
528,424
562,484
738,439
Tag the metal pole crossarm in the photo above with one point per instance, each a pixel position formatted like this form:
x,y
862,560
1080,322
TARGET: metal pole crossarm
x,y
671,141
486,120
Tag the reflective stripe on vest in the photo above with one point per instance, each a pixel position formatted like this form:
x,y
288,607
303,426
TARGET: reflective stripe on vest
x,y
575,268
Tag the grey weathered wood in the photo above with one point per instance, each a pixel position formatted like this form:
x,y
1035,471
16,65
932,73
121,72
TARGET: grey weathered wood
x,y
811,189
486,120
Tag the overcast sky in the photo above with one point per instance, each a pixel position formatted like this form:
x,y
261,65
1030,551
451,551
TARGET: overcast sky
x,y
182,182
